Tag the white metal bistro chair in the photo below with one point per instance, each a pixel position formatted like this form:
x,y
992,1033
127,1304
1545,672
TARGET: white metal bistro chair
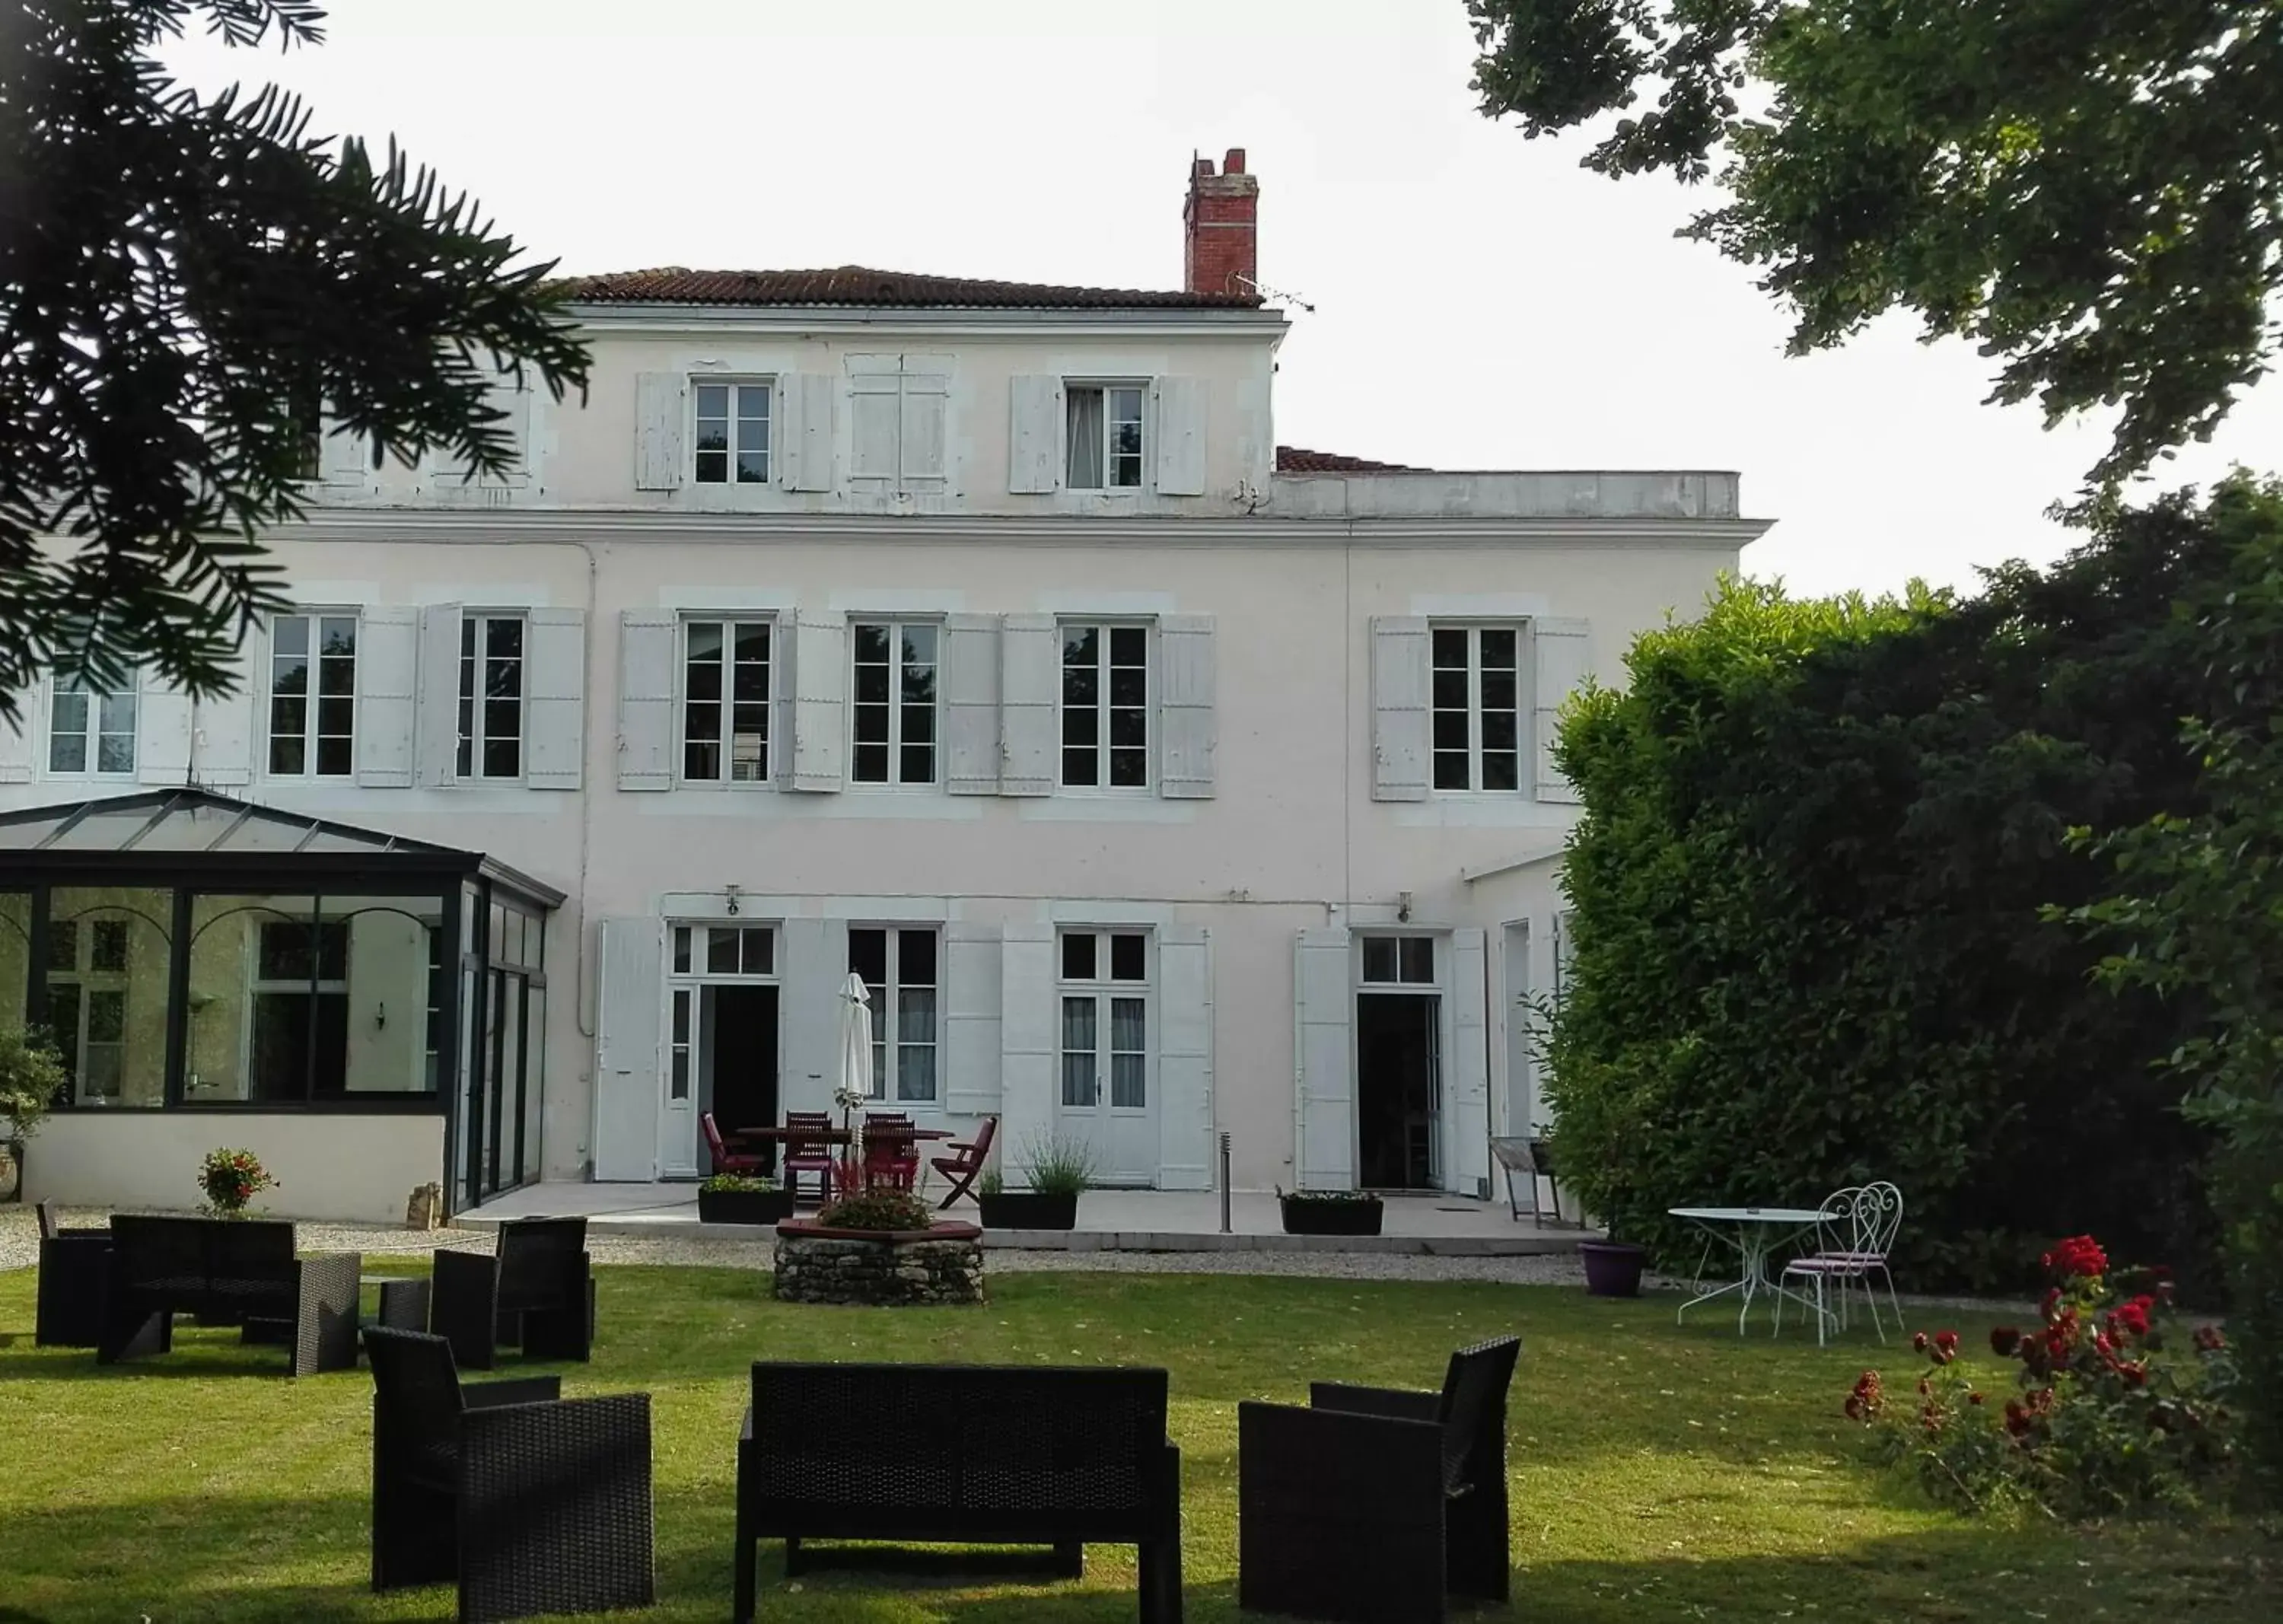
x,y
1852,1247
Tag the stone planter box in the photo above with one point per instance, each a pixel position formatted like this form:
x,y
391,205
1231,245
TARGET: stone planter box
x,y
1312,1216
939,1265
744,1206
11,1170
1025,1209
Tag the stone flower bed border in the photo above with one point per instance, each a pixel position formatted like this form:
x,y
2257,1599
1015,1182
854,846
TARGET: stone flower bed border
x,y
942,1264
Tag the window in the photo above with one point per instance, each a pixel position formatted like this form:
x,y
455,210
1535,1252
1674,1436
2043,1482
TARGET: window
x,y
1398,961
312,696
89,731
724,950
306,409
1106,706
1105,1025
724,701
893,716
733,434
1103,423
300,1018
1477,708
898,967
491,696
87,1003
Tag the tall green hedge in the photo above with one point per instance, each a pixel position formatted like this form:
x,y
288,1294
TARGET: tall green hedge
x,y
1814,896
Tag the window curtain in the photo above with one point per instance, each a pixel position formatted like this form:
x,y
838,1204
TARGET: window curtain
x,y
1085,440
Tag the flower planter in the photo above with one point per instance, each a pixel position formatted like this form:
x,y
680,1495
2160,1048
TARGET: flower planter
x,y
820,1263
744,1206
1028,1210
1316,1215
11,1170
1613,1268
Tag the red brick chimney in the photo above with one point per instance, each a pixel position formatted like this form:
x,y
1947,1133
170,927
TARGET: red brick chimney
x,y
1220,228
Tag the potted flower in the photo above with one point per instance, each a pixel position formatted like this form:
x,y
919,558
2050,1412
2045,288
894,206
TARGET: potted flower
x,y
880,1210
32,1075
1613,1266
1058,1170
1330,1212
231,1179
733,1198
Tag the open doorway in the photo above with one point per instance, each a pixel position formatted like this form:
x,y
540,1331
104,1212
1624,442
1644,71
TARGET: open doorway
x,y
737,1076
1399,1089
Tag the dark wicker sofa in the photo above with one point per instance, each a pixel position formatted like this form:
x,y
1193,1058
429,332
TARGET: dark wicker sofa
x,y
228,1272
1373,1504
530,1502
968,1454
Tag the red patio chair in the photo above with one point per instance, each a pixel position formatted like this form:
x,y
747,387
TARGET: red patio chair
x,y
805,1154
744,1163
966,1162
892,1155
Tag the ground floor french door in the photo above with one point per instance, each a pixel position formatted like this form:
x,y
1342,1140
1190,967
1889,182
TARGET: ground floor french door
x,y
499,1129
722,1040
1106,1106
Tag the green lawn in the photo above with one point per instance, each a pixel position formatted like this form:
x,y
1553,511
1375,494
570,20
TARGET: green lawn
x,y
1658,1474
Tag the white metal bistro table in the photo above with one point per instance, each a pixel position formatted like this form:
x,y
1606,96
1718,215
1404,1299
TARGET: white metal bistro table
x,y
1753,1232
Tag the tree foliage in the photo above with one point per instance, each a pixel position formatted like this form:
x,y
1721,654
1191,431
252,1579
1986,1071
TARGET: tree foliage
x,y
2088,189
2198,918
1811,896
185,281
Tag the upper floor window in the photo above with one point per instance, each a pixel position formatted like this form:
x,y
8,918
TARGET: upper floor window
x,y
312,696
1478,692
724,701
89,732
1103,432
893,719
1105,1024
897,965
305,410
1105,707
491,696
732,438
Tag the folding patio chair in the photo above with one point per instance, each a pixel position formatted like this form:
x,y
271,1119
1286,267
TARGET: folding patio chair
x,y
966,1162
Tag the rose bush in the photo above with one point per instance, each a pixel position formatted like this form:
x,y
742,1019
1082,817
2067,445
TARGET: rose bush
x,y
231,1179
2104,1414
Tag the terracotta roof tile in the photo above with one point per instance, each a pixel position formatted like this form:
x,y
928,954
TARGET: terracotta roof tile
x,y
856,285
1293,459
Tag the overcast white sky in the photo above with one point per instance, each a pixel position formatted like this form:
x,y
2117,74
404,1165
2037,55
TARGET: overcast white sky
x,y
1480,301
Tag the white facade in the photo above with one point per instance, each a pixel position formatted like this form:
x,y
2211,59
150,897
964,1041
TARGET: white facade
x,y
1275,658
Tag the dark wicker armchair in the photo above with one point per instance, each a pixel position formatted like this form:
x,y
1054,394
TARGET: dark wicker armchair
x,y
535,1291
73,1265
1375,1505
530,1502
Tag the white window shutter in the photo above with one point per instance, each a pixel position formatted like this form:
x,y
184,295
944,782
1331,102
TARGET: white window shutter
x,y
15,737
658,430
162,733
1465,1085
555,699
1324,1159
514,399
1185,1057
1030,691
1187,727
924,454
1030,1024
345,459
436,749
802,443
970,690
628,999
812,964
1182,436
646,656
1034,432
973,1003
1400,679
1562,655
820,675
874,425
222,737
387,662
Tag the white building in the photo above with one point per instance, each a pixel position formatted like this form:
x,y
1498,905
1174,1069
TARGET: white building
x,y
976,636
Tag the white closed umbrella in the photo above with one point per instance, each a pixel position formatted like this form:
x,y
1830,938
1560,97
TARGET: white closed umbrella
x,y
855,1044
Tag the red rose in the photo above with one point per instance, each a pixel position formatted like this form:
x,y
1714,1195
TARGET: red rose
x,y
2208,1340
2005,1341
1974,1398
1947,1340
1920,1342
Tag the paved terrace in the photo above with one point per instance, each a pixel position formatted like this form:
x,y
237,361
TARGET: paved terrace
x,y
1108,1221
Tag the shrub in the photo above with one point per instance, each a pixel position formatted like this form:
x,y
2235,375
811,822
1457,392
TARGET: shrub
x,y
231,1179
1058,1166
2104,1413
878,1208
740,1183
32,1076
